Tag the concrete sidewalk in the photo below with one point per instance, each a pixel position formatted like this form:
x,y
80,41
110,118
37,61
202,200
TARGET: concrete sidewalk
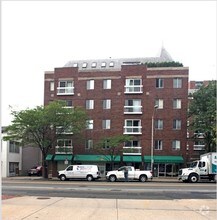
x,y
57,208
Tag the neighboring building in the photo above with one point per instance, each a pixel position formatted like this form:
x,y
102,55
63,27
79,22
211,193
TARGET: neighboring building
x,y
120,96
11,157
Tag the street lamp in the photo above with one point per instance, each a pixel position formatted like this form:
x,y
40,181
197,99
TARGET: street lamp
x,y
152,138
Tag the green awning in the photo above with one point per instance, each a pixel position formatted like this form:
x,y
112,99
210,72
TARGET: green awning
x,y
49,157
62,157
96,158
132,158
165,159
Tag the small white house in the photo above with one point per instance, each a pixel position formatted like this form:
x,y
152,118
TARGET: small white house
x,y
11,157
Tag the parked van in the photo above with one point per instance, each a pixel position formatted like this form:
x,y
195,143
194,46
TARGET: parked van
x,y
88,172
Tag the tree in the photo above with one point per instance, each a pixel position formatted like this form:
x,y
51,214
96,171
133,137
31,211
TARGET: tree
x,y
202,113
111,147
42,126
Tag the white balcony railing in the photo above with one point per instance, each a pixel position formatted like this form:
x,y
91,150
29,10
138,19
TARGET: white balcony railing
x,y
64,150
133,89
132,150
132,109
133,130
65,90
199,147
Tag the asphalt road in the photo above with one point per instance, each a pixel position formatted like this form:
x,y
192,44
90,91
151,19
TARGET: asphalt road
x,y
165,190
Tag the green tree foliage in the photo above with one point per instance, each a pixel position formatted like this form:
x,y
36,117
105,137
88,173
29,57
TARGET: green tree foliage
x,y
112,147
164,64
43,125
202,113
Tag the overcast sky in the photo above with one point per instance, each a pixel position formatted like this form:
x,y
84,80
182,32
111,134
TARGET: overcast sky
x,y
38,36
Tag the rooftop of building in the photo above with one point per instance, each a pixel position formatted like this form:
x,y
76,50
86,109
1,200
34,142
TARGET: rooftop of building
x,y
115,64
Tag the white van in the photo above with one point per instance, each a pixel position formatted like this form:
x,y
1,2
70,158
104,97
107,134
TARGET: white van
x,y
88,172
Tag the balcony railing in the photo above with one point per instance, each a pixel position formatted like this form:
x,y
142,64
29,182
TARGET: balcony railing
x,y
133,130
132,150
199,147
134,89
65,90
132,109
64,150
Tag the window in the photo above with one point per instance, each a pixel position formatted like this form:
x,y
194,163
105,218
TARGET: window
x,y
159,83
107,84
159,103
75,65
176,124
132,148
106,144
106,124
176,145
84,65
107,104
159,124
89,144
14,147
158,144
89,104
177,83
93,65
176,103
103,65
133,106
65,87
132,126
111,64
52,86
133,86
89,124
64,146
90,84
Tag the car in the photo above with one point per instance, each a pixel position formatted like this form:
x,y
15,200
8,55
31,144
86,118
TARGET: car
x,y
35,171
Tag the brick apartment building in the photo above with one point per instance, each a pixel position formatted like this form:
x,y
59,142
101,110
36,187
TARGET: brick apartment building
x,y
123,96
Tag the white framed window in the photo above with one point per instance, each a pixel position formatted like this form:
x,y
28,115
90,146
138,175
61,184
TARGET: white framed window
x,y
177,83
158,145
106,124
176,124
84,65
159,124
64,146
133,106
159,103
14,147
89,124
177,103
106,144
89,144
132,147
133,86
107,84
159,83
65,87
89,104
90,84
93,65
52,86
111,64
132,126
176,144
103,64
68,104
107,104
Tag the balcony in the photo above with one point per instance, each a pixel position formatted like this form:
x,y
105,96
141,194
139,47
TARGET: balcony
x,y
65,90
132,109
134,89
132,150
64,149
132,129
199,147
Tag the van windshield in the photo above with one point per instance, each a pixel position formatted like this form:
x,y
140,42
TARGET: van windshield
x,y
193,164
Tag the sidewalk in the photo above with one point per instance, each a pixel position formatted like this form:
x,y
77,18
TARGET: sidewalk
x,y
58,208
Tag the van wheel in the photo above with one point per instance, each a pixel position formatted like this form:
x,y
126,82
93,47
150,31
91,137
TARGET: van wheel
x,y
143,178
193,178
112,178
62,177
89,178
